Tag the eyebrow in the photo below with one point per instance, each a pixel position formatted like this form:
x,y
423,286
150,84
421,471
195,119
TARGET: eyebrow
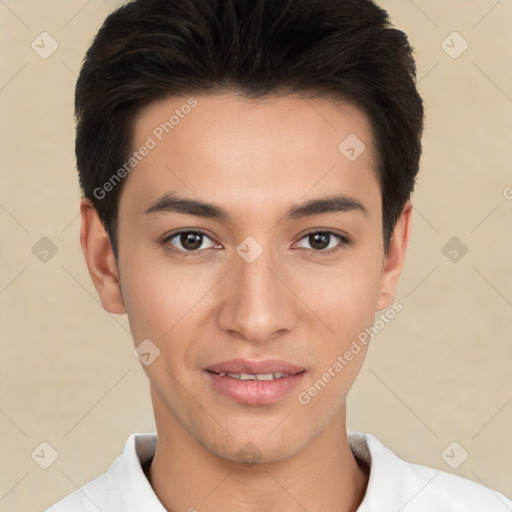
x,y
172,203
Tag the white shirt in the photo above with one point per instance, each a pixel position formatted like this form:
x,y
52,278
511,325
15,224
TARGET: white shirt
x,y
394,484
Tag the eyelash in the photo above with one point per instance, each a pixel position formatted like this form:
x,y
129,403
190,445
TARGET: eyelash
x,y
344,241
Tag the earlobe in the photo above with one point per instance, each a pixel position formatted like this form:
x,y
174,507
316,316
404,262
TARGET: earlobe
x,y
395,257
100,259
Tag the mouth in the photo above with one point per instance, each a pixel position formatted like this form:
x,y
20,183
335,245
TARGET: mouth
x,y
254,382
248,367
258,376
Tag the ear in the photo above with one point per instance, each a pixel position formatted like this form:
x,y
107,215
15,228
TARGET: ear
x,y
100,259
395,257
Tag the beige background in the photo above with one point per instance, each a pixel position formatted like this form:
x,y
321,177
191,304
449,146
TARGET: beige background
x,y
440,372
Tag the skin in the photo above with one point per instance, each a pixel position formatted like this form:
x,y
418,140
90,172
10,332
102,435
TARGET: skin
x,y
256,159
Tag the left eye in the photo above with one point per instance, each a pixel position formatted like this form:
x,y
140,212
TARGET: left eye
x,y
323,241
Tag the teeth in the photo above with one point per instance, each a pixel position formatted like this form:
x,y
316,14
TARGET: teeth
x,y
259,376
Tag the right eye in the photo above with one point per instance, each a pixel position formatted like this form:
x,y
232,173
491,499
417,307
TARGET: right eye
x,y
187,241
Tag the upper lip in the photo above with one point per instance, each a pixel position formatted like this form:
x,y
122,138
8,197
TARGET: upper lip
x,y
255,367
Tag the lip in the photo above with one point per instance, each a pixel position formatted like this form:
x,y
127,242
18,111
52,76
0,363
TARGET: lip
x,y
254,392
255,367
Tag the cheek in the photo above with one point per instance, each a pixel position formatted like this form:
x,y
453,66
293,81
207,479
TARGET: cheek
x,y
348,308
348,299
150,297
165,302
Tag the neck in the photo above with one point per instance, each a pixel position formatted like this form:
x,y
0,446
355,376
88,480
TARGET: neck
x,y
324,476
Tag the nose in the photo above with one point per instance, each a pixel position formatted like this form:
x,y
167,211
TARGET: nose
x,y
259,303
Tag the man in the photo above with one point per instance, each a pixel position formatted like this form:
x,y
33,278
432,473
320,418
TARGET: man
x,y
247,167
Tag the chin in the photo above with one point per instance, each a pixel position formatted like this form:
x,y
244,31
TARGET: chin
x,y
259,447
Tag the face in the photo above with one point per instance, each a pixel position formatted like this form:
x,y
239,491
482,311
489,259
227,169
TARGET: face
x,y
267,280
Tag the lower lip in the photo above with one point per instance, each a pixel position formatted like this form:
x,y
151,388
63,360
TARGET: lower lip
x,y
255,392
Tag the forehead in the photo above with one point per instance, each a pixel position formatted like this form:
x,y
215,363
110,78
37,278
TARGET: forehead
x,y
238,149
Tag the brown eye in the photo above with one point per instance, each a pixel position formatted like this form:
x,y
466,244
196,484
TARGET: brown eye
x,y
324,241
188,241
319,241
